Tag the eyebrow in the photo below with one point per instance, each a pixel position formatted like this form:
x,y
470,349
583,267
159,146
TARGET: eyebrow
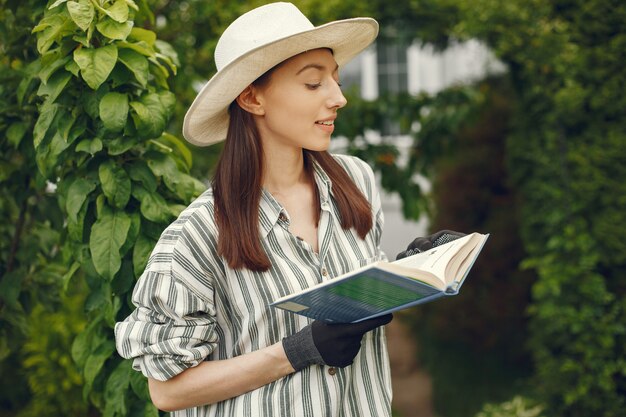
x,y
315,66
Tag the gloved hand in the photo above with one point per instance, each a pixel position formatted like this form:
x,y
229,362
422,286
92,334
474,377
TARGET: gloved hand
x,y
329,344
422,244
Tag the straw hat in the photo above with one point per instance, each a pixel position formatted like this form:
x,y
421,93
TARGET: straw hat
x,y
256,42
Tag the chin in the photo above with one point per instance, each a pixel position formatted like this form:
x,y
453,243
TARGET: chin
x,y
316,143
320,147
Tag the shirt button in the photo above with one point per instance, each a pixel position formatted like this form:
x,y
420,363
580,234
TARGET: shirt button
x,y
282,217
324,272
332,370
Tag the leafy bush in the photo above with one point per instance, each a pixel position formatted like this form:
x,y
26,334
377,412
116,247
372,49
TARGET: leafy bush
x,y
52,375
566,156
104,103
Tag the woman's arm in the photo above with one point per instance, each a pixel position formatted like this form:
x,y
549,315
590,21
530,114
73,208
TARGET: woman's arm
x,y
214,381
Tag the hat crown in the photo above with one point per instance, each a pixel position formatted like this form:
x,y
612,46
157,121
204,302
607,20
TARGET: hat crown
x,y
257,28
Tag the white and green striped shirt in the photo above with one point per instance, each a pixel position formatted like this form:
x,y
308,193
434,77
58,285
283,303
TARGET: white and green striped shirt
x,y
192,307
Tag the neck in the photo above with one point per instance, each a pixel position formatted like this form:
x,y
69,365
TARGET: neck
x,y
284,170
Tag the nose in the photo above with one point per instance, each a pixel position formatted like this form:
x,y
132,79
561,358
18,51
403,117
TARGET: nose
x,y
336,99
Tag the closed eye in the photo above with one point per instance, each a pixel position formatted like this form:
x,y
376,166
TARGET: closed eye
x,y
313,86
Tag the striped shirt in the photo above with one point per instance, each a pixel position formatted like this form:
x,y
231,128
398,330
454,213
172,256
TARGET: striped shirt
x,y
192,307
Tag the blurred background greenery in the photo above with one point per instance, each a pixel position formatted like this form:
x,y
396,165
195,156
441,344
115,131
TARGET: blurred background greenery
x,y
535,156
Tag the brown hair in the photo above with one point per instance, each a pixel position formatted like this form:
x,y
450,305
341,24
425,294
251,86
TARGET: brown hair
x,y
237,187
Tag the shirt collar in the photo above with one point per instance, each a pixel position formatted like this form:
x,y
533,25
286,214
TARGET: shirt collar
x,y
270,210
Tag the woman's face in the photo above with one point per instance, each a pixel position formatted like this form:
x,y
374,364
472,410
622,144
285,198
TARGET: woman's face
x,y
300,101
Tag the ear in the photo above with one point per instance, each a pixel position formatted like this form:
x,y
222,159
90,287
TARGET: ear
x,y
249,101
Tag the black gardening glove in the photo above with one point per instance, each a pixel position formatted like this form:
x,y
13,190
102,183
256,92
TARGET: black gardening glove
x,y
422,244
329,344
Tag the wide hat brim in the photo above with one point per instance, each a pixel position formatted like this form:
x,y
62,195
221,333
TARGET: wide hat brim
x,y
206,121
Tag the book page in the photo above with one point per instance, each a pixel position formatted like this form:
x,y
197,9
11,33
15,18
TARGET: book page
x,y
457,266
464,263
436,260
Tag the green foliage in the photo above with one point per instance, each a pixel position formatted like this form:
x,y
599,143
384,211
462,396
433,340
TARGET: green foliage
x,y
32,269
103,103
516,407
566,155
52,375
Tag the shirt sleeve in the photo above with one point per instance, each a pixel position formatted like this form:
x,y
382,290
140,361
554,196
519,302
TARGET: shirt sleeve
x,y
173,327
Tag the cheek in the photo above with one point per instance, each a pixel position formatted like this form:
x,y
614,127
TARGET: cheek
x,y
291,105
290,115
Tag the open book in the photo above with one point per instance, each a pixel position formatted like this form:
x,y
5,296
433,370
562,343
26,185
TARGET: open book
x,y
385,287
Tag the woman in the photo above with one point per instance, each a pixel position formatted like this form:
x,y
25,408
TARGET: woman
x,y
282,214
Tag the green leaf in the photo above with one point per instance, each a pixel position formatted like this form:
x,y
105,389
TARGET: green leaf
x,y
96,64
47,156
149,410
141,253
65,126
53,62
120,145
118,11
115,183
55,85
70,273
137,64
95,361
139,384
72,67
115,390
176,209
183,185
168,51
80,347
140,34
132,5
77,195
133,232
16,132
140,47
114,111
10,288
91,146
29,74
98,297
140,172
161,165
124,280
152,205
108,234
151,113
51,29
46,115
76,229
56,3
90,101
112,307
114,30
82,13
180,146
